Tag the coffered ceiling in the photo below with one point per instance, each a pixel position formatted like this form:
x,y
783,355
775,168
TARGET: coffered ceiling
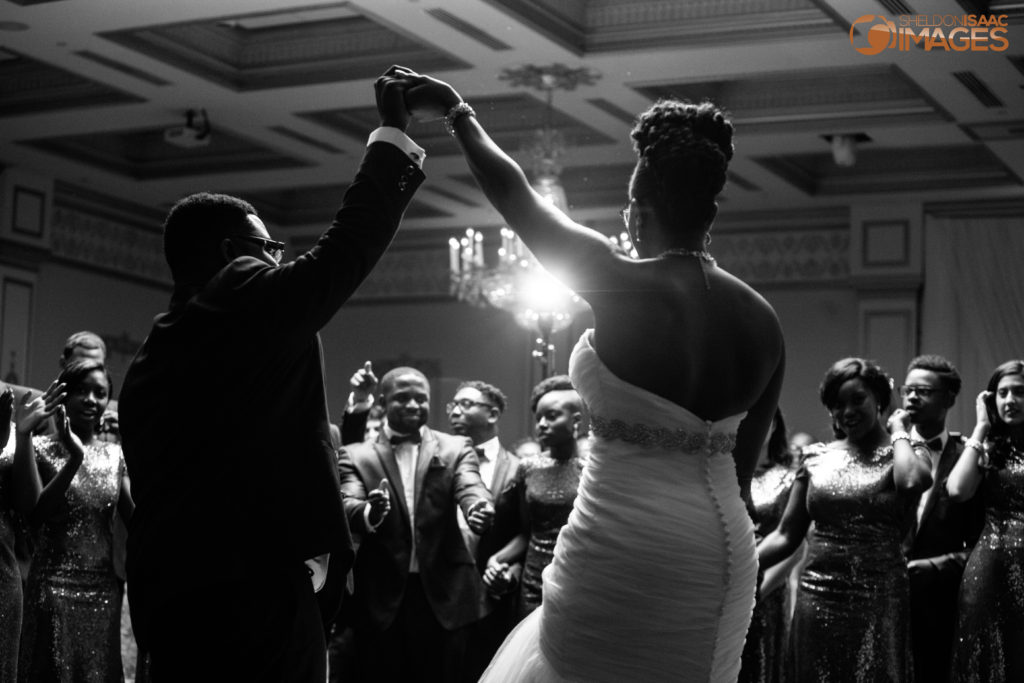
x,y
90,88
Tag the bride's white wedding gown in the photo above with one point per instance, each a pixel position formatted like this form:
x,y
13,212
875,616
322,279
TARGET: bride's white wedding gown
x,y
653,576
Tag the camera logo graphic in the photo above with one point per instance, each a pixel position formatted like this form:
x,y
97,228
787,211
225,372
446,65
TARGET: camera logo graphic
x,y
881,34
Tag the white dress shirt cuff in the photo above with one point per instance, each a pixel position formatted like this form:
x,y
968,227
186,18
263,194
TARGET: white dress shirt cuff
x,y
400,140
354,406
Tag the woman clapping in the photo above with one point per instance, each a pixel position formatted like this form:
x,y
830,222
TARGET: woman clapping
x,y
69,485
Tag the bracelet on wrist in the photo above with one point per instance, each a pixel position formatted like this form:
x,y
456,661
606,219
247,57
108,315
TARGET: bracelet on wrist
x,y
901,436
978,446
454,114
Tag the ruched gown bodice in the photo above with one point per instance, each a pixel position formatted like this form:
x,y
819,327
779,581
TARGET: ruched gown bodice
x,y
653,576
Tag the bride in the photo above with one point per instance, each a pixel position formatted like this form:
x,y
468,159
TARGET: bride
x,y
654,575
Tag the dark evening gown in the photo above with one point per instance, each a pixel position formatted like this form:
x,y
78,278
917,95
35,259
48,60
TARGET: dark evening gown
x,y
989,645
764,653
547,488
852,616
653,576
72,629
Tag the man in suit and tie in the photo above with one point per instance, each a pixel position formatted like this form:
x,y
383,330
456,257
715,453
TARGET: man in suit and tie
x,y
474,412
945,531
416,584
230,506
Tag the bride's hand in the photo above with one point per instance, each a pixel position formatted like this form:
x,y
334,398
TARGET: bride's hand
x,y
428,99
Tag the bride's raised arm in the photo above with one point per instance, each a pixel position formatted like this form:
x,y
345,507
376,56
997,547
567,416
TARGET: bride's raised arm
x,y
552,236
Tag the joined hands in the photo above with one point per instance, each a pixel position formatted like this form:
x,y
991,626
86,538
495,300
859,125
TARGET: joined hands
x,y
423,97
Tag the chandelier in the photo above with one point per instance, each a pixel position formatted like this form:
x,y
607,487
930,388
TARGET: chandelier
x,y
513,280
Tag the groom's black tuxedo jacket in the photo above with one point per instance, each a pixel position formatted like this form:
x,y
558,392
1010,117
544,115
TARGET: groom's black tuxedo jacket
x,y
223,412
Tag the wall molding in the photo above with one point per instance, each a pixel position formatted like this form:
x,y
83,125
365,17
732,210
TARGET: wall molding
x,y
109,246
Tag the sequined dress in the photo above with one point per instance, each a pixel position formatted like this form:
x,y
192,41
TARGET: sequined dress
x,y
852,615
11,525
72,626
653,576
989,645
764,653
548,488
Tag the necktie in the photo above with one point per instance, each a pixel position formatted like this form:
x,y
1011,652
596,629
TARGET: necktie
x,y
405,438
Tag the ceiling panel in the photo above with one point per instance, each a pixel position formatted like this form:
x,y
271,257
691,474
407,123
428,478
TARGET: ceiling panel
x,y
883,170
601,26
287,47
144,154
30,86
796,99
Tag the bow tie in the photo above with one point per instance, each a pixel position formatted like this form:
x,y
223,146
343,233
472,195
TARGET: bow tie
x,y
481,454
934,444
405,438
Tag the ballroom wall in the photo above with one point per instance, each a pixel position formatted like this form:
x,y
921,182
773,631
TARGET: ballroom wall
x,y
450,340
844,281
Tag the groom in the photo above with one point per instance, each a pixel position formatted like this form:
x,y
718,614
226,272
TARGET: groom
x,y
225,429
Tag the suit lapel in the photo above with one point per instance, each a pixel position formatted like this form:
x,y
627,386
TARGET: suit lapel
x,y
429,448
386,456
505,462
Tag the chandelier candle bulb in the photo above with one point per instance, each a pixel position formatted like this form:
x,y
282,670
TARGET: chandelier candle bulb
x,y
453,256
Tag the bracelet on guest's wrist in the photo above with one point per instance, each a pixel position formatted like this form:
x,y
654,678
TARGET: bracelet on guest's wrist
x,y
454,114
901,436
978,446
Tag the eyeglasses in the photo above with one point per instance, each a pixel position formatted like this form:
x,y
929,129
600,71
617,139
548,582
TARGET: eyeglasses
x,y
922,391
274,249
624,212
464,404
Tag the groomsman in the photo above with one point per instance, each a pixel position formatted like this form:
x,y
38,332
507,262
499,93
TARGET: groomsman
x,y
416,584
474,412
945,531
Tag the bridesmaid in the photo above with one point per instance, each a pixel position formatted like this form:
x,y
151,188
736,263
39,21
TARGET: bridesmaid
x,y
765,648
11,534
989,645
860,491
69,484
545,488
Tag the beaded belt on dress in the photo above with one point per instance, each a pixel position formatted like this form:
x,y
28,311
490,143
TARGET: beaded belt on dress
x,y
661,437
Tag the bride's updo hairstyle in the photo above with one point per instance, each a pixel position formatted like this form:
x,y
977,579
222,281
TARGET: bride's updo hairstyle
x,y
684,151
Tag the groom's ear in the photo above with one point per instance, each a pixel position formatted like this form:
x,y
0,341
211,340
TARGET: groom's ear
x,y
227,250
